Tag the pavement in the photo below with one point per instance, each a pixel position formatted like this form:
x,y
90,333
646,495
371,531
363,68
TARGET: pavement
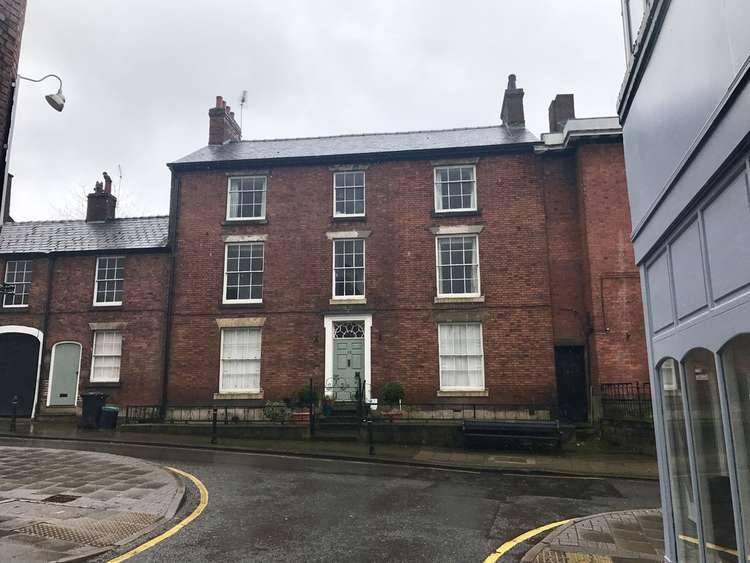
x,y
65,505
613,537
577,462
264,507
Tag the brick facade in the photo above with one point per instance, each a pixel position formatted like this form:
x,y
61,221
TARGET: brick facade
x,y
556,270
12,14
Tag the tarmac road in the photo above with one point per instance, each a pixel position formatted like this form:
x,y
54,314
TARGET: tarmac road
x,y
272,508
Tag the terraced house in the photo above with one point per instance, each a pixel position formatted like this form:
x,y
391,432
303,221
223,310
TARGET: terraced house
x,y
477,265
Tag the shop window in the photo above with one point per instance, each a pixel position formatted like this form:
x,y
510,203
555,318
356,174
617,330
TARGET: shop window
x,y
735,360
712,471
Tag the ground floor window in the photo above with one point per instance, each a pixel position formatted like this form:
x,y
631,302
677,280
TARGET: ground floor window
x,y
240,360
461,356
105,361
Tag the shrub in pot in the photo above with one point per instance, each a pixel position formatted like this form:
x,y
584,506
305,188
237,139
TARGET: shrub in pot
x,y
393,393
276,411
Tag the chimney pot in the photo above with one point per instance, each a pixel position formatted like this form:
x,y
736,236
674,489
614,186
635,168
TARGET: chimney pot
x,y
512,111
101,203
222,126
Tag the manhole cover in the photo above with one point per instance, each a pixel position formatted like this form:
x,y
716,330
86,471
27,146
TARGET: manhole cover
x,y
61,498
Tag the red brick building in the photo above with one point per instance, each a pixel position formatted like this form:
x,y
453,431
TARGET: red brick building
x,y
473,265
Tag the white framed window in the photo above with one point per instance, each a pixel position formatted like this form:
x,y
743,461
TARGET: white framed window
x,y
348,268
240,360
457,266
246,198
455,188
18,274
349,194
461,356
105,359
243,272
109,280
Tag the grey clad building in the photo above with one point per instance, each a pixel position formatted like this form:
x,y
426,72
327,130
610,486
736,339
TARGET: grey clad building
x,y
685,111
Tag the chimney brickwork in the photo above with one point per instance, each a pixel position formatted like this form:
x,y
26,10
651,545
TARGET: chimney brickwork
x,y
561,109
512,111
101,203
222,126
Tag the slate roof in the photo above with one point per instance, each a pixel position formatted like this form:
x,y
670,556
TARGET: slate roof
x,y
372,143
127,233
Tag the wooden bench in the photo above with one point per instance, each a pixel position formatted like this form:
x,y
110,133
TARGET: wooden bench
x,y
522,433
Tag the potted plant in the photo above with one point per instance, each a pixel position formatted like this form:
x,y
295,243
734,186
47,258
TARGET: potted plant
x,y
392,397
327,405
303,398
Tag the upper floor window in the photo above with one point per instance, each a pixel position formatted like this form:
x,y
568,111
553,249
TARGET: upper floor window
x,y
246,198
243,272
105,360
109,279
348,268
18,275
458,266
349,194
455,188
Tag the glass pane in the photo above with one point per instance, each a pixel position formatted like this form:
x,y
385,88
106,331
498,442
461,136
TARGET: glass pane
x,y
736,364
710,453
683,504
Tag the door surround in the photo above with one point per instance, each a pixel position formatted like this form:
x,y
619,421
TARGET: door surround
x,y
52,369
328,321
39,335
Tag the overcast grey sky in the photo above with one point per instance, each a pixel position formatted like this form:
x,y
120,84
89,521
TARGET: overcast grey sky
x,y
139,77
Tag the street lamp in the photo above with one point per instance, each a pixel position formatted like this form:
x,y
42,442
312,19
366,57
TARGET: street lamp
x,y
57,100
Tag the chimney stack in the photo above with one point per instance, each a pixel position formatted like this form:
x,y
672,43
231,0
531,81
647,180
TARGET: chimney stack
x,y
561,109
101,203
512,111
222,126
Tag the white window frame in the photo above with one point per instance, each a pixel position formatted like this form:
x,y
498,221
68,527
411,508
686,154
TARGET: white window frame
x,y
438,196
333,271
7,305
224,299
262,217
97,280
92,377
364,194
442,295
221,363
482,385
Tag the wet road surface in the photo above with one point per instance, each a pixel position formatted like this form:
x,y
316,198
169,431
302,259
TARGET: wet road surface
x,y
272,508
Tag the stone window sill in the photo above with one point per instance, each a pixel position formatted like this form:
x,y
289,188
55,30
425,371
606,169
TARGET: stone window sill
x,y
478,299
237,396
477,393
241,222
241,305
360,301
472,213
103,384
353,219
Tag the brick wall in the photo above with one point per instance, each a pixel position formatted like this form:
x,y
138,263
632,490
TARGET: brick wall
x,y
71,310
400,279
613,292
12,13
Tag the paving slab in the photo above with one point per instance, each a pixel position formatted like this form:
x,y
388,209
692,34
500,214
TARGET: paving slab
x,y
65,504
625,536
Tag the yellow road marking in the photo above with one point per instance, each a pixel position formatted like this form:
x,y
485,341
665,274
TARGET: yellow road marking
x,y
179,526
709,545
507,546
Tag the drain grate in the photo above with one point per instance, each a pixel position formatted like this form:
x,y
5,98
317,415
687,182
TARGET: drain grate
x,y
61,498
100,534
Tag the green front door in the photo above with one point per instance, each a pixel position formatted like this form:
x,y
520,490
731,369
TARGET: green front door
x,y
348,367
63,387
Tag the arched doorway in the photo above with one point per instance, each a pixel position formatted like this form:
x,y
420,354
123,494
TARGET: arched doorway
x,y
19,369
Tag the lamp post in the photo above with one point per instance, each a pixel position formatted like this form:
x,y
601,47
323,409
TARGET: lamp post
x,y
56,100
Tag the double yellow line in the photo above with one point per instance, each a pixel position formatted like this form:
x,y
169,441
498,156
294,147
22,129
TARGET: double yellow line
x,y
176,528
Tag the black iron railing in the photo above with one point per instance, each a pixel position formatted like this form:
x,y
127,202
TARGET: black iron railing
x,y
444,412
626,401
